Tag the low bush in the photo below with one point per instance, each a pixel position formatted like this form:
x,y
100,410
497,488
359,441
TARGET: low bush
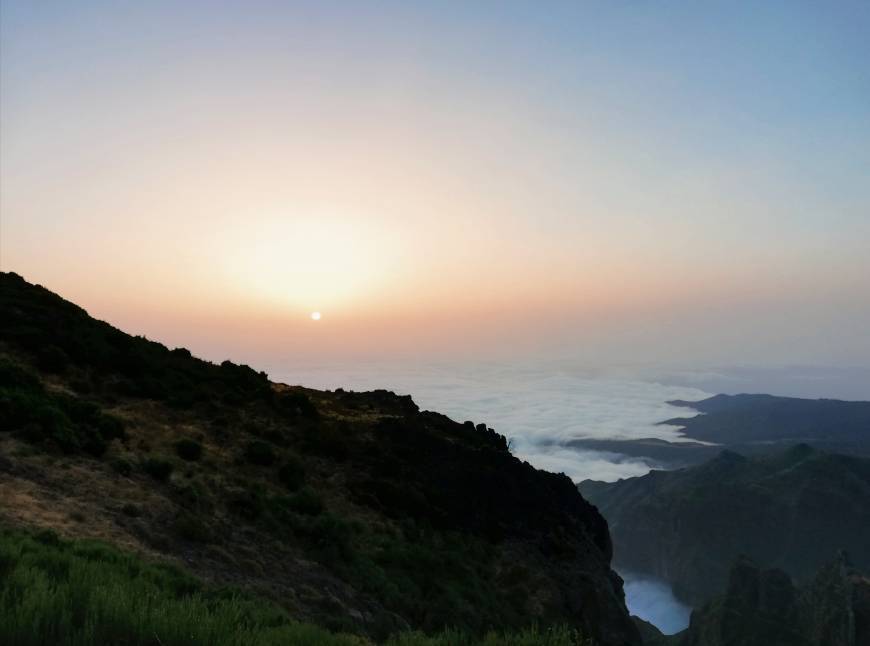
x,y
192,529
52,359
157,468
260,453
122,467
556,636
131,510
79,593
306,501
247,503
329,441
37,416
295,405
193,496
332,538
292,473
188,449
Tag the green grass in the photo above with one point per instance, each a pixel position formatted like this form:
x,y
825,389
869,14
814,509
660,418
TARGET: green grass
x,y
70,593
82,592
530,637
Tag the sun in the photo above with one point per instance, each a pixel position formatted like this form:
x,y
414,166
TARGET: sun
x,y
315,316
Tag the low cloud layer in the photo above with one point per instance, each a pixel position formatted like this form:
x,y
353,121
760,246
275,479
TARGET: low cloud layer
x,y
538,407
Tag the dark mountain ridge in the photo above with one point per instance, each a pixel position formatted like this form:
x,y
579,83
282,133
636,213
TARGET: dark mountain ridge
x,y
352,510
747,419
751,425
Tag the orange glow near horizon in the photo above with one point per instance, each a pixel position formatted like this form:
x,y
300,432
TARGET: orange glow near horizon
x,y
513,188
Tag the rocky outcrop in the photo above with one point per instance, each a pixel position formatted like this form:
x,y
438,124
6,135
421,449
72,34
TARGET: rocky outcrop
x,y
762,607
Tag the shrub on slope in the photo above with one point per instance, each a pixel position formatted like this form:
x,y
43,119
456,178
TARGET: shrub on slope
x,y
71,593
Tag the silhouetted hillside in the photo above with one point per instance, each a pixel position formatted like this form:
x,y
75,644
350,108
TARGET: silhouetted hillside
x,y
356,511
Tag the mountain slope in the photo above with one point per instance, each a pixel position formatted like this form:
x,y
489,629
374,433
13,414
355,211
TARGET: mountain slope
x,y
353,510
791,510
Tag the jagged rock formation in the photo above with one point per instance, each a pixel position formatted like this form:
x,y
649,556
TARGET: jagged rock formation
x,y
790,510
763,608
353,510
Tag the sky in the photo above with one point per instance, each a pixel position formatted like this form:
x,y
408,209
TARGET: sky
x,y
627,181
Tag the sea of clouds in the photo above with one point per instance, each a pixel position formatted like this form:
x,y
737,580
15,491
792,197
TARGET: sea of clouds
x,y
538,407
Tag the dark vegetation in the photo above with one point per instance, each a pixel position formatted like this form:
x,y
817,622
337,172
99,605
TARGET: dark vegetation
x,y
122,467
353,510
97,359
80,593
261,453
292,473
157,468
188,449
40,417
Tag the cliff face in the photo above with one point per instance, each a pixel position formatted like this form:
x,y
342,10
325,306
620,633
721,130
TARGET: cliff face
x,y
353,510
791,510
763,608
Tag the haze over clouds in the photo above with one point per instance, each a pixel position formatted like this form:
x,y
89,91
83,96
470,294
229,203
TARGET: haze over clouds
x,y
610,182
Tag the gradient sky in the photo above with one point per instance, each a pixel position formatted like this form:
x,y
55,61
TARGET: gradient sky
x,y
609,181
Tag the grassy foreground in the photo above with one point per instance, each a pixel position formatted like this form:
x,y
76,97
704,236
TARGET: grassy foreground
x,y
58,592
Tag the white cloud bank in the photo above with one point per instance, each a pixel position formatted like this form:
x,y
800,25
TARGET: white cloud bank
x,y
538,407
